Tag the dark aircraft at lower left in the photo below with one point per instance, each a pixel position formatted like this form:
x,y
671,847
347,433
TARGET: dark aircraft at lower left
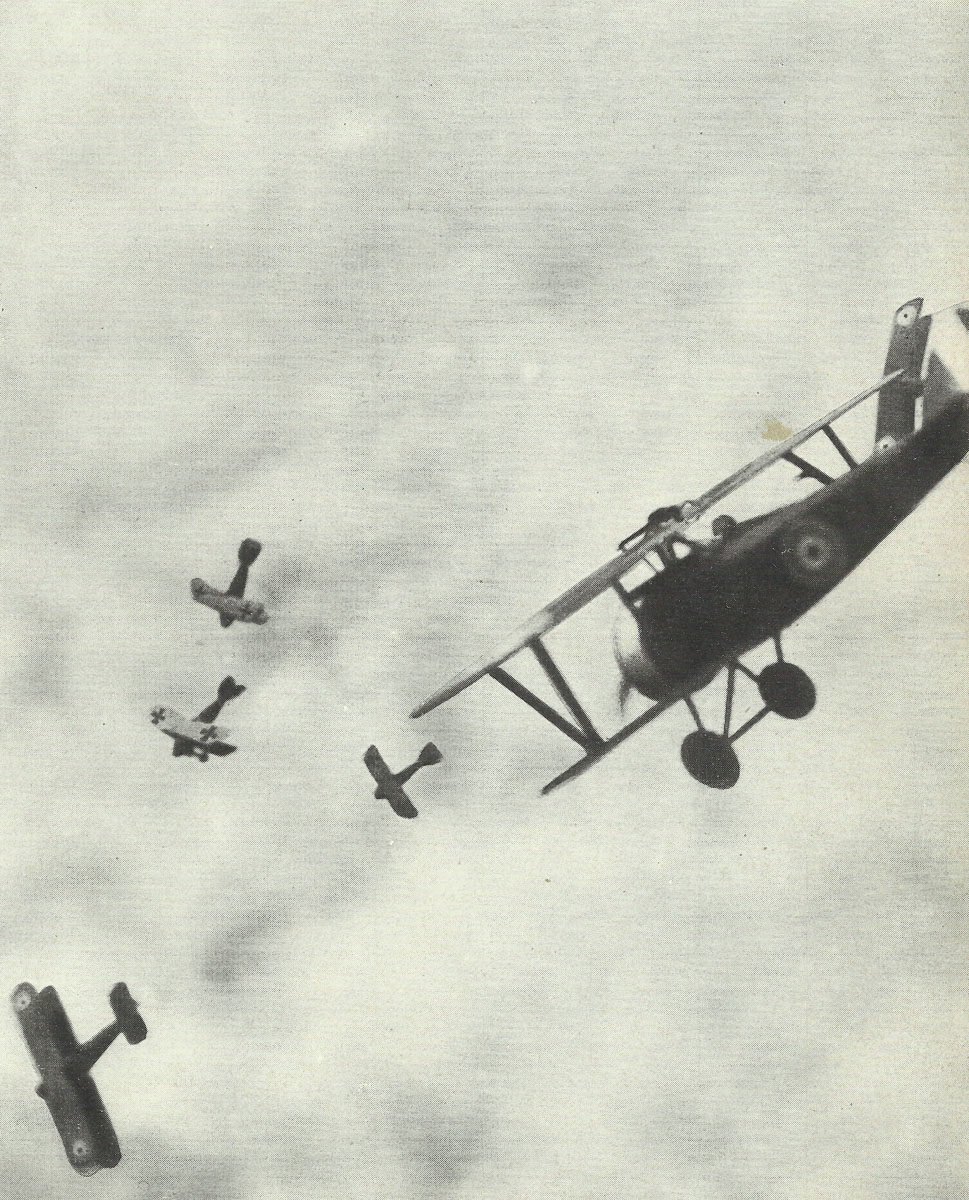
x,y
66,1086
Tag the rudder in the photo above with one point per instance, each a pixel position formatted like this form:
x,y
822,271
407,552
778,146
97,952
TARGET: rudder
x,y
906,348
946,373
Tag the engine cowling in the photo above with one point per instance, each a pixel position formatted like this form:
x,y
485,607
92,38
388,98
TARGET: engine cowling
x,y
641,671
636,665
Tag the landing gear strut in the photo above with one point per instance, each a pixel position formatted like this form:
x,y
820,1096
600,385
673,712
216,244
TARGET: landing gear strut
x,y
784,690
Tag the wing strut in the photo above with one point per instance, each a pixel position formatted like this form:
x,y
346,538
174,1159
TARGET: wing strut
x,y
808,470
565,693
500,675
583,731
839,445
592,586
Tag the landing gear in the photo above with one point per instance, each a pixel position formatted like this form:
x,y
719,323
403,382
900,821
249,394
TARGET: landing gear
x,y
710,759
784,690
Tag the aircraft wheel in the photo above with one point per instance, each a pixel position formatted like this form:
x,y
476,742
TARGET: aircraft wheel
x,y
786,690
710,759
814,554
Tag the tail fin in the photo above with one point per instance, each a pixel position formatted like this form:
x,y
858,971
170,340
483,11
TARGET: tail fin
x,y
906,349
229,689
429,756
947,360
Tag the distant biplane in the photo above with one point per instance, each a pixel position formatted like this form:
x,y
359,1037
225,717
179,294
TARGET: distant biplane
x,y
230,604
66,1086
708,603
390,786
200,737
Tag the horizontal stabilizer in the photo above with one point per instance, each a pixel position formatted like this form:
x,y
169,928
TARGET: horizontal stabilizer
x,y
430,756
125,1010
249,551
229,689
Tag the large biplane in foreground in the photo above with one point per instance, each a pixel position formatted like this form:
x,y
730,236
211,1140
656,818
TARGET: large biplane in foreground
x,y
65,1064
706,604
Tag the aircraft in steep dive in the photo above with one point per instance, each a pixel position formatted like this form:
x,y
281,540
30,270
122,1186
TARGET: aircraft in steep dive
x,y
64,1064
199,737
390,786
230,604
706,604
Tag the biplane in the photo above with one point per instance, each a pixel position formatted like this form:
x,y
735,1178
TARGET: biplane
x,y
705,604
230,604
64,1064
390,785
199,738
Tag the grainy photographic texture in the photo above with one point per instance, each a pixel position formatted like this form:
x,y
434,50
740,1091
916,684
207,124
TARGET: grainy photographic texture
x,y
438,302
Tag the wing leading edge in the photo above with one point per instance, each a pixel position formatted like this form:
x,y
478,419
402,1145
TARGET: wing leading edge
x,y
608,575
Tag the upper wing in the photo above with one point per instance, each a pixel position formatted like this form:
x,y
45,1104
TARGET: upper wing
x,y
45,1025
577,597
230,607
170,721
376,766
587,589
200,733
721,490
387,786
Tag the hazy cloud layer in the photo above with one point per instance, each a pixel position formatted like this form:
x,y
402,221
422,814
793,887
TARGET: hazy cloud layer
x,y
438,303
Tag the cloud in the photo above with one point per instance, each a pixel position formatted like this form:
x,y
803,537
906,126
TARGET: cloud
x,y
439,305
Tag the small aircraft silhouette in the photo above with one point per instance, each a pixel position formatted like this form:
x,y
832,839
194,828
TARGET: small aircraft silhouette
x,y
390,786
66,1086
230,604
200,737
708,603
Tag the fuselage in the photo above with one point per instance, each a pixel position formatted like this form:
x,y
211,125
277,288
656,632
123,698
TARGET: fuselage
x,y
724,599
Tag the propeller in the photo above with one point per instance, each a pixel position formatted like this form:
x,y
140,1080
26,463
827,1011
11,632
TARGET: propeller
x,y
623,692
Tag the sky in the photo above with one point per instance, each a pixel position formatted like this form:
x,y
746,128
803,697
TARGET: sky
x,y
438,302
